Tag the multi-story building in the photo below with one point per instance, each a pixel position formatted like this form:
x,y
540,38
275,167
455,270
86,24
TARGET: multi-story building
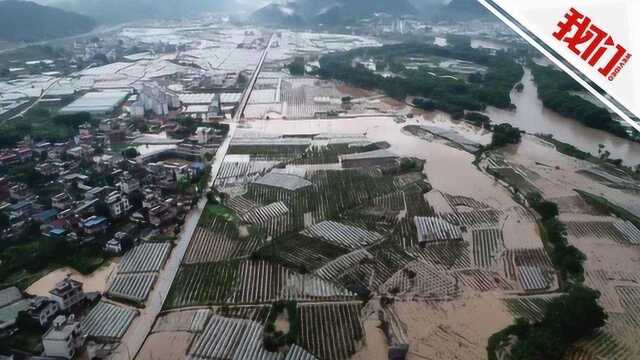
x,y
118,204
63,339
94,225
163,213
67,293
128,183
61,201
43,310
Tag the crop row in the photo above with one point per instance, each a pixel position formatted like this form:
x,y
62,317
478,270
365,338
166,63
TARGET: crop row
x,y
487,245
331,331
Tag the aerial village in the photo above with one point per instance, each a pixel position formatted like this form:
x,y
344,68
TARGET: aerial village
x,y
208,203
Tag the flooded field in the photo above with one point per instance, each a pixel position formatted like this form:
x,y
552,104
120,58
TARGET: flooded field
x,y
95,282
532,117
449,170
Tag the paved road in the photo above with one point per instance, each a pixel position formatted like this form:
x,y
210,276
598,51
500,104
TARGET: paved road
x,y
142,325
252,83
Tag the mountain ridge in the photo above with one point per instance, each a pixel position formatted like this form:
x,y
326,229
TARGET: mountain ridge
x,y
26,21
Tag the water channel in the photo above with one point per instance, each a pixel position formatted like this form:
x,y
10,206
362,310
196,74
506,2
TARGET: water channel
x,y
532,117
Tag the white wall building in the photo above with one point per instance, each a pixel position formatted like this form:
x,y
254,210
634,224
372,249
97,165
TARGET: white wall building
x,y
63,339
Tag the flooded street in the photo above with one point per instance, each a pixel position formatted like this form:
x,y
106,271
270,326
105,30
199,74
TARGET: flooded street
x,y
95,282
532,117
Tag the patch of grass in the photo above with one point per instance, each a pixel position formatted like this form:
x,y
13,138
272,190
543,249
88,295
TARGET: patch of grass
x,y
212,211
605,206
567,149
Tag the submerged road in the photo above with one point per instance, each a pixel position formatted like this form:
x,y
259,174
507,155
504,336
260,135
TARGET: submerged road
x,y
142,325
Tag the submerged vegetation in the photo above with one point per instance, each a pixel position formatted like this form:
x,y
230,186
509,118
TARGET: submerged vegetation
x,y
567,319
554,89
446,93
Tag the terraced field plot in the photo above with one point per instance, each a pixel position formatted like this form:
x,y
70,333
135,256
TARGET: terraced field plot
x,y
219,240
331,331
531,308
487,245
338,236
621,232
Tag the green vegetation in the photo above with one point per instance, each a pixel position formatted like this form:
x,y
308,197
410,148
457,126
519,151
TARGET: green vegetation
x,y
554,89
214,210
478,119
446,94
567,149
546,209
32,253
567,259
608,207
297,66
42,125
29,53
567,319
274,339
505,134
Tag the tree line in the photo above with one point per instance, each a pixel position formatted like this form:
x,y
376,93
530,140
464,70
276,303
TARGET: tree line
x,y
554,89
448,94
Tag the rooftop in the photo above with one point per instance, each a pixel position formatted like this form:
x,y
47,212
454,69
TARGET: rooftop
x,y
376,154
197,99
62,331
284,181
9,295
94,221
96,102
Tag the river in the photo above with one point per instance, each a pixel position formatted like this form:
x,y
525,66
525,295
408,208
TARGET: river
x,y
532,117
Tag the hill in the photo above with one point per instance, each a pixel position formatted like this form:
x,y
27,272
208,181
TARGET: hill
x,y
279,15
25,21
312,12
115,11
460,10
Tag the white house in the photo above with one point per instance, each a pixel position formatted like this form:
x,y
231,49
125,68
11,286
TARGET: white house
x,y
63,339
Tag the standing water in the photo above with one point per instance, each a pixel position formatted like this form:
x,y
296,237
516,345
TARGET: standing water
x,y
532,117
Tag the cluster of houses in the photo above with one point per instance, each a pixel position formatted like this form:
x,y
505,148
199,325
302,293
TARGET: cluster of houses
x,y
89,189
55,312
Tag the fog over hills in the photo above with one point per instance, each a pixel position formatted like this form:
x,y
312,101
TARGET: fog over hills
x,y
274,12
113,11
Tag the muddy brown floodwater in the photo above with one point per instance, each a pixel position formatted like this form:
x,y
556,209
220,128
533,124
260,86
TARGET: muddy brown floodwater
x,y
449,170
532,117
95,282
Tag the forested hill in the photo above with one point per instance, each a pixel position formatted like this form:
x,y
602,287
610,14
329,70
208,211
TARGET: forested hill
x,y
25,21
460,10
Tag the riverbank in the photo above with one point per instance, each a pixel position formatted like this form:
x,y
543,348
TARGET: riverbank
x,y
532,117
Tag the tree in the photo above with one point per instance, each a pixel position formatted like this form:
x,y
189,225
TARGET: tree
x,y
130,153
505,134
577,314
567,319
102,209
136,198
5,222
546,209
297,66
